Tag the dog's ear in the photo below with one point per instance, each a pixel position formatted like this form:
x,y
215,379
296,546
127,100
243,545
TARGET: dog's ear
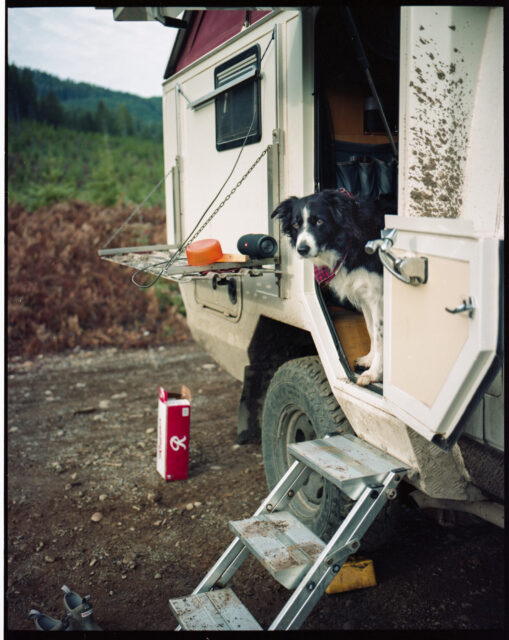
x,y
284,209
345,211
284,212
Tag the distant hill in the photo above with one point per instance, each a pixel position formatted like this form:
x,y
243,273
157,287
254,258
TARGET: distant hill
x,y
74,95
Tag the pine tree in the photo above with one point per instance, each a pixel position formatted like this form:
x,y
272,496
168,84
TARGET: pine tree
x,y
126,122
87,121
51,110
27,95
13,106
101,117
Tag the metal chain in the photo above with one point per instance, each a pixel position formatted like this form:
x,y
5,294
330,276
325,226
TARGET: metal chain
x,y
166,264
196,233
225,199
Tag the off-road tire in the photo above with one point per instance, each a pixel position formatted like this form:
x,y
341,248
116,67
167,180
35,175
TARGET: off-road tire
x,y
299,405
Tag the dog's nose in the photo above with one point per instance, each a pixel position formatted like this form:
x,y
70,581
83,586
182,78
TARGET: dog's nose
x,y
303,249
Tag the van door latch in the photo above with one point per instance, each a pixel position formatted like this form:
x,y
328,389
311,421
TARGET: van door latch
x,y
408,269
226,282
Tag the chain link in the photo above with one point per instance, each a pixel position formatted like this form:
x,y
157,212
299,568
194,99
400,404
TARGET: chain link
x,y
166,264
225,199
216,211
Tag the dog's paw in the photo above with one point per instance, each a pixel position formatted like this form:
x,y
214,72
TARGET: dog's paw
x,y
364,361
367,378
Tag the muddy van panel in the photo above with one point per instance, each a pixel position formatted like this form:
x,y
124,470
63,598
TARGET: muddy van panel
x,y
452,104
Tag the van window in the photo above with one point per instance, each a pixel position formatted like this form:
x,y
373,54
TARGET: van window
x,y
238,109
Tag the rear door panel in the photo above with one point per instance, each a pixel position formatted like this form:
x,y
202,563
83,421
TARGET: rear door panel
x,y
435,360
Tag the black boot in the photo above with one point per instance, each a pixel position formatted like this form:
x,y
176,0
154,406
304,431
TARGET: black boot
x,y
80,611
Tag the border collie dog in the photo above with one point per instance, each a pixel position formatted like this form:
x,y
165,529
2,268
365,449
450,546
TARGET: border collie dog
x,y
331,228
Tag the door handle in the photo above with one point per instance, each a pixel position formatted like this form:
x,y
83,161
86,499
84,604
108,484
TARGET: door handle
x,y
408,269
464,306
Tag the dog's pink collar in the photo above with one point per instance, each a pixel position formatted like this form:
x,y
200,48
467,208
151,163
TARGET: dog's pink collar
x,y
324,275
347,193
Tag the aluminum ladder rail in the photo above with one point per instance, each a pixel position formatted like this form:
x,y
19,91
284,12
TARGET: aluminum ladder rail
x,y
362,472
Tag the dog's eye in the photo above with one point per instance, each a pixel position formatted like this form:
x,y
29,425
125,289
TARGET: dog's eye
x,y
295,225
319,222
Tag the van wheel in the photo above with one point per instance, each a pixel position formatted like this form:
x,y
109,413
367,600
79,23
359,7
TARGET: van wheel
x,y
299,405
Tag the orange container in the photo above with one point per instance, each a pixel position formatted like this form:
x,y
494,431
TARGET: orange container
x,y
203,252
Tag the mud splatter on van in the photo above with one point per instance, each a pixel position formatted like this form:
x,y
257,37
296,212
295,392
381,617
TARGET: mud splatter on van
x,y
438,133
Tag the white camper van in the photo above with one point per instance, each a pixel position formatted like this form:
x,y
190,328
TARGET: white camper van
x,y
259,105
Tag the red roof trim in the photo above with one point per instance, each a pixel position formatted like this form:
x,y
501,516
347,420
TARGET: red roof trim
x,y
210,29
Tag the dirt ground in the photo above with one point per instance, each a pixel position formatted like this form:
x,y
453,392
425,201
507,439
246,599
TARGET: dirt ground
x,y
82,440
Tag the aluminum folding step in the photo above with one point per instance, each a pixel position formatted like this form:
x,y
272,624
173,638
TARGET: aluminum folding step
x,y
294,555
346,461
218,610
281,543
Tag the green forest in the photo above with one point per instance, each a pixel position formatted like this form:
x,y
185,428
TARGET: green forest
x,y
79,160
72,141
39,96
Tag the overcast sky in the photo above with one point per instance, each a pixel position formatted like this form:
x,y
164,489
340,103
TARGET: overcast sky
x,y
86,45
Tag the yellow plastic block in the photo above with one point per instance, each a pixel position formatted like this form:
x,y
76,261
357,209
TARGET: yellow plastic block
x,y
233,257
356,573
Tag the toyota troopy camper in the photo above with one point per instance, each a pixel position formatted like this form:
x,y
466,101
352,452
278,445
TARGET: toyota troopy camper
x,y
259,105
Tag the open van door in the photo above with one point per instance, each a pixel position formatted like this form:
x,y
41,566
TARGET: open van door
x,y
440,337
442,281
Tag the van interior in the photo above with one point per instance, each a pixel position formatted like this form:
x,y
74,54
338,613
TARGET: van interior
x,y
353,147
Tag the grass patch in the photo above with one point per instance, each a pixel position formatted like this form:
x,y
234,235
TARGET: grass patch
x,y
47,164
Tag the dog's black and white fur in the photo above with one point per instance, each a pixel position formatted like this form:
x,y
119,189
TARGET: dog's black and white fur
x,y
331,227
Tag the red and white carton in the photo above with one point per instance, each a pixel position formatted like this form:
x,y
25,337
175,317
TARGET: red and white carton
x,y
173,420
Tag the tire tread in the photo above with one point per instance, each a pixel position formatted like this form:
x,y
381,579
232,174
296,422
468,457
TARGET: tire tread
x,y
307,376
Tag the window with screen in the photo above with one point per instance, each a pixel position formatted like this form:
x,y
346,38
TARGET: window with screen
x,y
238,108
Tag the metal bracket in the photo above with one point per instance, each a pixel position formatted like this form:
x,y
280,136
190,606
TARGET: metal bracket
x,y
408,269
228,282
158,13
251,74
273,179
464,306
339,554
177,199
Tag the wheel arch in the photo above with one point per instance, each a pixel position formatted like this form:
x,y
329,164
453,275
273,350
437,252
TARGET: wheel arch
x,y
273,343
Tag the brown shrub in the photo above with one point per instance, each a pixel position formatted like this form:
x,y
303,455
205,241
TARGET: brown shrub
x,y
61,295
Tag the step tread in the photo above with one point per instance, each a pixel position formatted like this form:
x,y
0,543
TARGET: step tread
x,y
281,543
346,461
218,610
